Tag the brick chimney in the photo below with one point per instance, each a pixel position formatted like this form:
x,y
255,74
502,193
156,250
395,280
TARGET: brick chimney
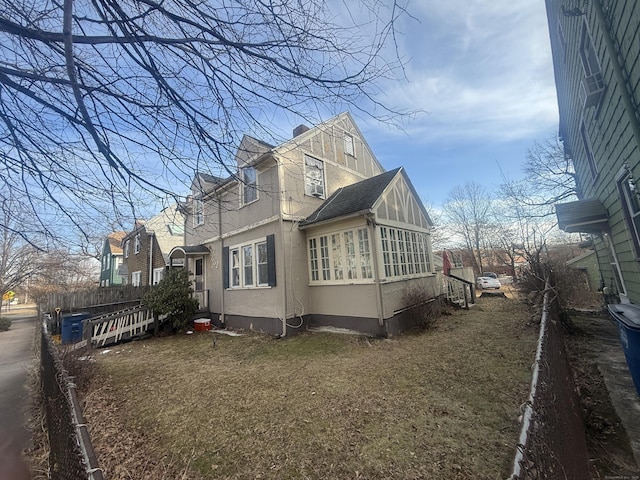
x,y
299,130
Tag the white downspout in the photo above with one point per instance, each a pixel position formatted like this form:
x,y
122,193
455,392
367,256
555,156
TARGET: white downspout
x,y
376,270
150,277
282,237
222,290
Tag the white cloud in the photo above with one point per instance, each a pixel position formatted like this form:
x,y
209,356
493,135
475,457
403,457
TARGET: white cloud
x,y
482,69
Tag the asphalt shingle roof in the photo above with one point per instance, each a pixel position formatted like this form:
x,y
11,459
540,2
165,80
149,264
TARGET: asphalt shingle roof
x,y
354,198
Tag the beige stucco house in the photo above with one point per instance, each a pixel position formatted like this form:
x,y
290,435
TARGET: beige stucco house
x,y
313,232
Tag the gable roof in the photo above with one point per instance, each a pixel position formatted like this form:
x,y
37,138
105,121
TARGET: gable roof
x,y
307,134
358,197
115,242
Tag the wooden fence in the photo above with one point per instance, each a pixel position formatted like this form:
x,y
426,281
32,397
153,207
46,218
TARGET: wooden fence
x,y
101,299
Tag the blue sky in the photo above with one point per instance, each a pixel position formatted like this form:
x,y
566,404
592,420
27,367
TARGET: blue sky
x,y
482,71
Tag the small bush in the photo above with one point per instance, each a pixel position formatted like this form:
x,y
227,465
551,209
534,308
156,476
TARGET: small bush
x,y
423,309
5,324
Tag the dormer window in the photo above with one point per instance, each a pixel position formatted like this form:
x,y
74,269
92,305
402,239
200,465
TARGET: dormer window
x,y
314,177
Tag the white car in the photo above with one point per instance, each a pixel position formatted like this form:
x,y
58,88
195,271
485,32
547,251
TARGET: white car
x,y
488,282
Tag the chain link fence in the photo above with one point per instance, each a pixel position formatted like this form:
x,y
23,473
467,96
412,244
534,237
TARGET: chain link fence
x,y
552,443
71,455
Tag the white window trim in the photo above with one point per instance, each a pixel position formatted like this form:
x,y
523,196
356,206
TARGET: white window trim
x,y
312,186
349,145
404,253
198,212
127,248
330,261
591,161
137,244
254,267
136,278
244,186
158,275
630,209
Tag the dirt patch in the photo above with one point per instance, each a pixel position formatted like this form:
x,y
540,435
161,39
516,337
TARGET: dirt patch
x,y
607,441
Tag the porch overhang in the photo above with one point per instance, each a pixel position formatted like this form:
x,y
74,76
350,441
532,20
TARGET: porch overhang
x,y
188,251
583,216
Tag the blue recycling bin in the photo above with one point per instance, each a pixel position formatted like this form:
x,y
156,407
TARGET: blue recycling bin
x,y
72,326
628,320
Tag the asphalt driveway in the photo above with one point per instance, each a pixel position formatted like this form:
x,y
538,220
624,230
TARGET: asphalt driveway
x,y
16,359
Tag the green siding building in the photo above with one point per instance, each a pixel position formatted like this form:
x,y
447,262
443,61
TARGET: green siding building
x,y
596,56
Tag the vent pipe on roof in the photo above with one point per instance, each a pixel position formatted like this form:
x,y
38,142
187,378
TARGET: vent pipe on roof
x,y
299,130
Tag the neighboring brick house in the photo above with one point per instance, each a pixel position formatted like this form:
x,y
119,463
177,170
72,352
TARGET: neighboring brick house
x,y
596,55
147,246
111,259
312,232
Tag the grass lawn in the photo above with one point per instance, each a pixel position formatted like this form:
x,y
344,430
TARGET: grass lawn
x,y
440,404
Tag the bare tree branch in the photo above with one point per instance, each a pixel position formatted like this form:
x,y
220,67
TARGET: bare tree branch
x,y
106,105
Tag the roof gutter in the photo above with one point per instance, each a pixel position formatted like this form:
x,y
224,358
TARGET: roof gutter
x,y
361,213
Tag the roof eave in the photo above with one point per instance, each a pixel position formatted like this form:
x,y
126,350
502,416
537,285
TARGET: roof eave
x,y
360,213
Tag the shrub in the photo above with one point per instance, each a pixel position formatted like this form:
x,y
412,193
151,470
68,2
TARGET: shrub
x,y
422,309
173,297
5,324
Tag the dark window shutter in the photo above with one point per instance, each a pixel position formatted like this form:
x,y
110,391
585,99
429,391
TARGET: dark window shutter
x,y
225,267
271,260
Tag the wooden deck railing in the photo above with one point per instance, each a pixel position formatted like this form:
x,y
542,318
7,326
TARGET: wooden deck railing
x,y
458,290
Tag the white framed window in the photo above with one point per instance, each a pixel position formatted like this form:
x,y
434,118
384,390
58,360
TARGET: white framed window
x,y
404,253
349,148
136,244
252,264
136,278
158,275
593,168
127,246
592,86
313,259
340,257
198,212
629,193
235,267
314,177
249,185
262,262
108,266
247,266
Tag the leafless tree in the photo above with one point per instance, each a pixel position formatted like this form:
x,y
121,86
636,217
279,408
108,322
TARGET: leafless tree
x,y
440,235
549,178
469,214
527,216
23,261
106,102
